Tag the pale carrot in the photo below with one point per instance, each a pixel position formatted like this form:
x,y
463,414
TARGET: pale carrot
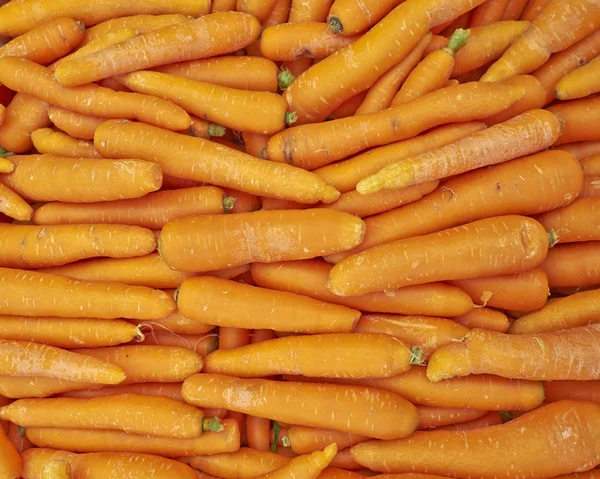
x,y
573,264
13,206
10,460
580,119
311,10
56,469
489,12
514,9
581,390
352,410
533,99
77,125
212,163
49,141
23,116
431,417
38,386
351,16
484,318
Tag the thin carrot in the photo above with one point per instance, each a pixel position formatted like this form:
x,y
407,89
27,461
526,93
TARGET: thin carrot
x,y
308,466
13,206
47,42
484,318
491,418
205,129
437,42
85,300
258,431
245,463
591,166
176,324
312,146
49,141
301,234
344,461
514,9
580,82
533,99
574,19
574,264
212,163
77,125
304,440
580,390
578,221
10,460
488,12
309,278
260,9
468,454
83,180
433,71
353,409
309,11
243,73
348,17
533,9
275,204
349,107
203,37
206,299
523,135
521,292
431,417
23,116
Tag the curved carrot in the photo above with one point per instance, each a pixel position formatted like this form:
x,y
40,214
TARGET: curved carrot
x,y
203,37
312,146
23,116
489,352
533,99
212,163
245,463
574,19
489,12
580,390
580,82
10,460
353,409
301,234
523,135
577,221
574,264
351,16
527,439
77,125
309,465
431,417
519,292
49,141
514,9
82,180
13,206
484,318
309,11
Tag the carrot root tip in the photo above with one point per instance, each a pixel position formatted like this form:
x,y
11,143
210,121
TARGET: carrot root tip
x,y
285,78
457,40
330,194
4,153
228,202
212,424
335,25
215,129
553,238
417,356
139,337
290,117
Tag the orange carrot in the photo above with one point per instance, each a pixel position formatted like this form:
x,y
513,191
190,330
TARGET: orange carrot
x,y
212,163
77,125
580,82
591,166
309,278
260,10
301,234
203,344
578,221
232,338
10,460
591,186
29,293
437,43
245,463
523,135
522,292
175,323
574,19
309,11
82,180
351,16
308,466
488,13
256,144
344,461
258,430
263,308
580,390
312,146
48,141
526,439
304,440
580,119
205,129
533,9
484,318
38,386
352,410
533,99
431,417
275,204
6,165
23,116
16,435
13,206
574,264
169,390
349,107
491,418
514,9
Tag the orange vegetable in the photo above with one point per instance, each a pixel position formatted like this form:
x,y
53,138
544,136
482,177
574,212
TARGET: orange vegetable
x,y
533,9
484,318
591,187
77,125
514,9
304,440
16,435
309,11
581,390
431,417
48,141
533,99
308,466
169,390
579,119
591,166
491,418
349,107
6,165
23,116
38,386
10,460
574,264
578,221
13,206
351,16
489,12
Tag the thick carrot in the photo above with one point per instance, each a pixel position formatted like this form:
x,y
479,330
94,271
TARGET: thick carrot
x,y
242,110
526,291
309,11
533,99
431,417
82,180
29,293
23,116
580,390
488,13
10,460
351,16
523,243
484,318
47,42
312,146
579,221
77,125
203,37
344,175
245,463
153,210
574,19
533,449
574,264
580,119
211,163
248,237
69,332
352,410
523,135
580,82
554,176
13,206
243,73
206,299
49,141
591,166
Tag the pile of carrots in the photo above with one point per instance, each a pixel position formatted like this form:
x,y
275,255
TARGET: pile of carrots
x,y
300,239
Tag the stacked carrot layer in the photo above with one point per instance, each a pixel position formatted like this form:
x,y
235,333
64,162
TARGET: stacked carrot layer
x,y
300,238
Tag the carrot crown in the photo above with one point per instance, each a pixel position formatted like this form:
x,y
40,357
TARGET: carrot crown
x,y
335,25
417,356
285,78
4,153
212,424
457,40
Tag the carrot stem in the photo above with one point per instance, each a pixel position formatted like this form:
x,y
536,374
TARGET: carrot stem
x,y
4,153
457,40
553,238
276,429
212,424
228,202
335,25
290,117
215,129
417,356
285,78
285,441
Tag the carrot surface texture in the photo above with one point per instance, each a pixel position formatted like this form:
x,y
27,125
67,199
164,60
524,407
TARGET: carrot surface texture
x,y
78,125
49,141
579,118
207,36
13,206
579,83
534,452
23,116
354,409
350,16
579,221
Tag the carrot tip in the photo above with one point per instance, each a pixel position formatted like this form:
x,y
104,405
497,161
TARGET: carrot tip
x,y
457,40
553,238
330,194
417,356
264,154
139,337
212,424
228,202
290,117
4,153
285,441
335,25
285,78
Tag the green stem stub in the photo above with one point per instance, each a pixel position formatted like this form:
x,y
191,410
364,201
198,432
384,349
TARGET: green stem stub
x,y
212,424
553,238
290,117
285,79
335,25
4,153
276,430
228,202
457,40
215,129
417,356
285,441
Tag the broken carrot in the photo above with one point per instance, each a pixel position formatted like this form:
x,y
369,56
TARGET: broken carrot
x,y
49,141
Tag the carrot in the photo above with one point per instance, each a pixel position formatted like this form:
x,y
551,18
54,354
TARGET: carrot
x,y
243,73
205,129
232,338
223,5
533,9
260,10
304,467
169,390
13,206
31,293
38,386
175,323
591,166
325,355
256,144
207,36
301,234
533,99
132,413
523,135
526,439
6,165
484,318
351,16
245,463
591,187
591,474
107,465
491,418
10,460
212,163
460,200
22,358
578,221
23,116
69,332
352,409
202,344
580,82
526,291
48,141
349,107
345,175
82,180
574,19
258,430
309,11
514,9
575,264
16,435
77,125
56,469
304,440
263,308
488,13
153,210
431,417
382,93
47,42
580,390
433,71
312,146
275,204
579,118
309,278
336,473
344,461
437,43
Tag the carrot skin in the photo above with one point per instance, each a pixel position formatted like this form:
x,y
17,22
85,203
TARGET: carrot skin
x,y
484,318
13,206
434,417
580,390
77,125
39,386
579,221
23,116
245,463
349,16
48,141
573,265
580,119
533,99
